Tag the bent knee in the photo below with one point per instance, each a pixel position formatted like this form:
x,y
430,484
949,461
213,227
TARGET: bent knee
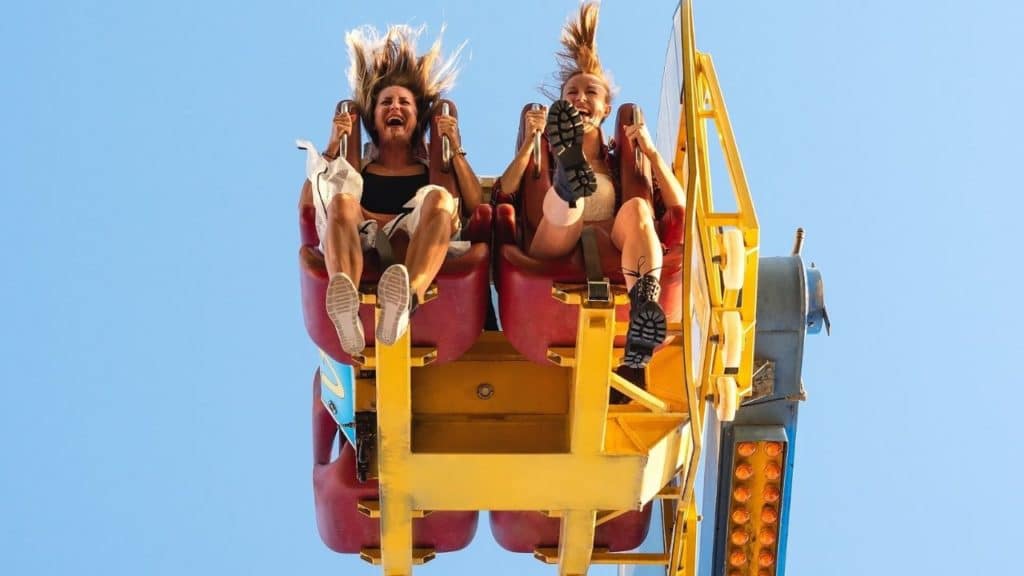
x,y
638,209
439,199
344,208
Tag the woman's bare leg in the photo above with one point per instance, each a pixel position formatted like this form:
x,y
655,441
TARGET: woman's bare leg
x,y
559,229
634,235
343,256
428,245
343,251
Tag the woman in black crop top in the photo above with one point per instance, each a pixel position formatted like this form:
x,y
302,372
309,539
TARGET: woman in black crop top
x,y
390,194
394,91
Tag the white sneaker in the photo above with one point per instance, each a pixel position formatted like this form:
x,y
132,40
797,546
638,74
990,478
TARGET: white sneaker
x,y
393,295
343,309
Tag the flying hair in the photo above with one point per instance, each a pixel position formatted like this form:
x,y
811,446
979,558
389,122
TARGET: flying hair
x,y
579,50
379,61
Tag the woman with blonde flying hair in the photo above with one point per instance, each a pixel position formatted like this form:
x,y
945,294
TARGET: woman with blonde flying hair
x,y
585,189
395,92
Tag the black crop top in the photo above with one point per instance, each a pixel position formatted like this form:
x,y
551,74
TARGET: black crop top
x,y
388,194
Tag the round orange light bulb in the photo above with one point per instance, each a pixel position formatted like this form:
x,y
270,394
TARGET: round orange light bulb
x,y
739,537
741,493
738,558
769,515
766,537
740,516
765,558
773,449
744,471
746,449
771,471
771,494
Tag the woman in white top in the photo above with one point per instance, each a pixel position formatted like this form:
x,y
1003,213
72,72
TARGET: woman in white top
x,y
584,191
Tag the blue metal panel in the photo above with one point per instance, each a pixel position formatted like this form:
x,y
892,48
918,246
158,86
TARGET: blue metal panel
x,y
337,394
790,300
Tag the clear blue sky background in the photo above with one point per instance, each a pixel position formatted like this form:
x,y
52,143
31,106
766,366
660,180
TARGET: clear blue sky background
x,y
155,373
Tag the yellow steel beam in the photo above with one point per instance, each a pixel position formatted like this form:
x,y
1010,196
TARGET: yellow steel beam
x,y
525,481
588,416
394,445
696,177
549,481
575,542
731,151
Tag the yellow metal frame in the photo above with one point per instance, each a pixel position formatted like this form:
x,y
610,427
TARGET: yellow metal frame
x,y
704,297
473,434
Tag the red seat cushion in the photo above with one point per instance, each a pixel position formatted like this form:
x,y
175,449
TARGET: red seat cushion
x,y
463,294
336,493
533,321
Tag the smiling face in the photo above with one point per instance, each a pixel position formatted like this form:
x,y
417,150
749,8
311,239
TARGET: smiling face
x,y
394,116
589,94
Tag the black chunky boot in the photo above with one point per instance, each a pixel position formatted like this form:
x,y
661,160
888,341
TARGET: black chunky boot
x,y
647,324
574,178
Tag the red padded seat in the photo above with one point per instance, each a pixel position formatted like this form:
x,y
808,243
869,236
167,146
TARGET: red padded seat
x,y
336,493
532,320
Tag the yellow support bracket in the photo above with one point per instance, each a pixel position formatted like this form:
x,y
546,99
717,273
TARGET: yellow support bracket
x,y
420,556
418,358
602,556
643,397
575,294
371,509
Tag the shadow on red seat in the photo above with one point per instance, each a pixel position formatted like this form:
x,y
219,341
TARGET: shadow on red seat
x,y
337,492
532,320
463,282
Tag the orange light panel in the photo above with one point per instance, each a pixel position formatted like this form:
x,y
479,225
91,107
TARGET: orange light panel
x,y
754,507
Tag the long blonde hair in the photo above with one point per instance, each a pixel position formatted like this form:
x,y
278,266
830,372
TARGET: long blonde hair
x,y
579,50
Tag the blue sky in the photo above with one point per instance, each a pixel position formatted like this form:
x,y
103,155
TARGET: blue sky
x,y
155,373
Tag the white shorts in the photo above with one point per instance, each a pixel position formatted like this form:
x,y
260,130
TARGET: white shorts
x,y
332,177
